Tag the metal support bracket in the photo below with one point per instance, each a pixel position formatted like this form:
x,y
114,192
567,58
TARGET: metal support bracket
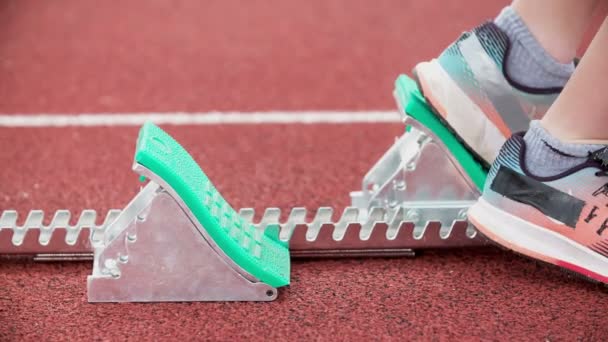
x,y
419,178
153,252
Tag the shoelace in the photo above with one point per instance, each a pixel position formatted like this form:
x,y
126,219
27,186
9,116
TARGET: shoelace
x,y
601,157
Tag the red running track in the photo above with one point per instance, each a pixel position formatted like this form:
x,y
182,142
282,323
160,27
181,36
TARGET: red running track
x,y
118,56
85,56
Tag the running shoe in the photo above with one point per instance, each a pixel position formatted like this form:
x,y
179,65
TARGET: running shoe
x,y
562,220
468,88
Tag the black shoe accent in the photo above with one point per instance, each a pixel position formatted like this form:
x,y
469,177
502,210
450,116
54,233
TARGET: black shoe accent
x,y
552,202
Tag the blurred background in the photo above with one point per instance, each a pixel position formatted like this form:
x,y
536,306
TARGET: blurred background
x,y
160,55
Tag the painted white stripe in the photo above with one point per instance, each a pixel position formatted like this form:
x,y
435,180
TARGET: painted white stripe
x,y
209,118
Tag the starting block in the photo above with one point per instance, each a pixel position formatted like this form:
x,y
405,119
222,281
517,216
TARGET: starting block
x,y
179,239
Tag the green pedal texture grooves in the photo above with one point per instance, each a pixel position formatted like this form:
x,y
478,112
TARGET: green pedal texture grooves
x,y
416,107
260,254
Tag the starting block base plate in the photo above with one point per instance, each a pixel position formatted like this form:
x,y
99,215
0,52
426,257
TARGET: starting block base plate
x,y
159,255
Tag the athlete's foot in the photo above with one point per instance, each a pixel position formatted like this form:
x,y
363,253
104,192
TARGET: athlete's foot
x,y
491,82
560,217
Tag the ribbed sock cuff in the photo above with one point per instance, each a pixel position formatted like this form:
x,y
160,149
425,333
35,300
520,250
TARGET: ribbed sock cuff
x,y
548,156
528,63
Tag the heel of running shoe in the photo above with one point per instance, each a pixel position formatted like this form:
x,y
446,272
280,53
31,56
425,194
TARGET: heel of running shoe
x,y
412,104
474,127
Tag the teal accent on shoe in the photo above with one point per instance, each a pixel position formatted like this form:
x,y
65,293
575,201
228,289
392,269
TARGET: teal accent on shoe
x,y
415,106
261,255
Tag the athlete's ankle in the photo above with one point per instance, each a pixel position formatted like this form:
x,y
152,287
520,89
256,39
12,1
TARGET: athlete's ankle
x,y
527,63
547,156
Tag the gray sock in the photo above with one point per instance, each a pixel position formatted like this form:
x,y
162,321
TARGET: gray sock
x,y
527,61
548,156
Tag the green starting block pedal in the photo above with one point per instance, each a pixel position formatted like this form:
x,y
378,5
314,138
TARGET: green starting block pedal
x,y
413,105
180,240
427,175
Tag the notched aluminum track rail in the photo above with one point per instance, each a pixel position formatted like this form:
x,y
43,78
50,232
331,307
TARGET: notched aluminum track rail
x,y
58,240
380,233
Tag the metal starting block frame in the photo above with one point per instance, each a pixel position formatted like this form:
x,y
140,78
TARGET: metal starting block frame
x,y
415,197
155,252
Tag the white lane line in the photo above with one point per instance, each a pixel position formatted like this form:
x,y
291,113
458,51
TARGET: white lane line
x,y
209,118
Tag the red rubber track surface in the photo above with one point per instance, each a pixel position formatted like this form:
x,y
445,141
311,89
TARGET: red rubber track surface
x,y
116,56
111,56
